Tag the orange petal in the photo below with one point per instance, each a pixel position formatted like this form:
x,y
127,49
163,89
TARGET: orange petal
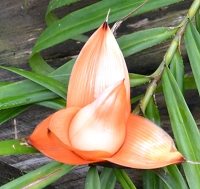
x,y
59,126
46,142
60,123
100,126
99,65
146,146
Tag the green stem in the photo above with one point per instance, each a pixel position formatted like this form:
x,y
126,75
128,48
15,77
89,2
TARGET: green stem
x,y
175,44
149,93
193,9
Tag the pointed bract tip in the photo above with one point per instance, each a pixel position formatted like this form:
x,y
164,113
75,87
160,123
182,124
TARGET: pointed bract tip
x,y
192,162
107,16
105,24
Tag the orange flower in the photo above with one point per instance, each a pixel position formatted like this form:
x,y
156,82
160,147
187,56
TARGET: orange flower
x,y
97,124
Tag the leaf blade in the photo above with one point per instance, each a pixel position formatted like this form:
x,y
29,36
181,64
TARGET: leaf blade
x,y
9,147
141,40
192,39
7,114
124,179
107,178
41,177
43,80
184,127
92,179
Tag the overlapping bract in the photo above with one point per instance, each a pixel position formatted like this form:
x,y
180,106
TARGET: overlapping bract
x,y
97,125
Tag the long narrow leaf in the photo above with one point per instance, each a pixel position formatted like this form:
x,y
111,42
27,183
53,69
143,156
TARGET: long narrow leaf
x,y
197,21
39,65
92,179
28,92
177,176
124,179
50,17
177,70
7,114
55,104
23,93
189,83
151,180
141,40
41,177
2,83
63,73
192,41
43,80
9,147
167,179
152,112
136,79
184,128
107,178
133,100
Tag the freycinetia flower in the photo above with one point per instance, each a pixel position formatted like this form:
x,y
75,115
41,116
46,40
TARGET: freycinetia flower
x,y
96,125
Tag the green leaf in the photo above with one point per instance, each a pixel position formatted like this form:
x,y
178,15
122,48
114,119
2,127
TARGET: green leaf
x,y
28,92
9,147
152,112
184,128
151,180
167,179
22,93
63,73
133,100
80,38
38,65
137,79
189,83
197,21
192,42
40,178
177,69
50,17
56,104
7,114
141,40
107,178
177,176
2,83
92,179
124,179
43,80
